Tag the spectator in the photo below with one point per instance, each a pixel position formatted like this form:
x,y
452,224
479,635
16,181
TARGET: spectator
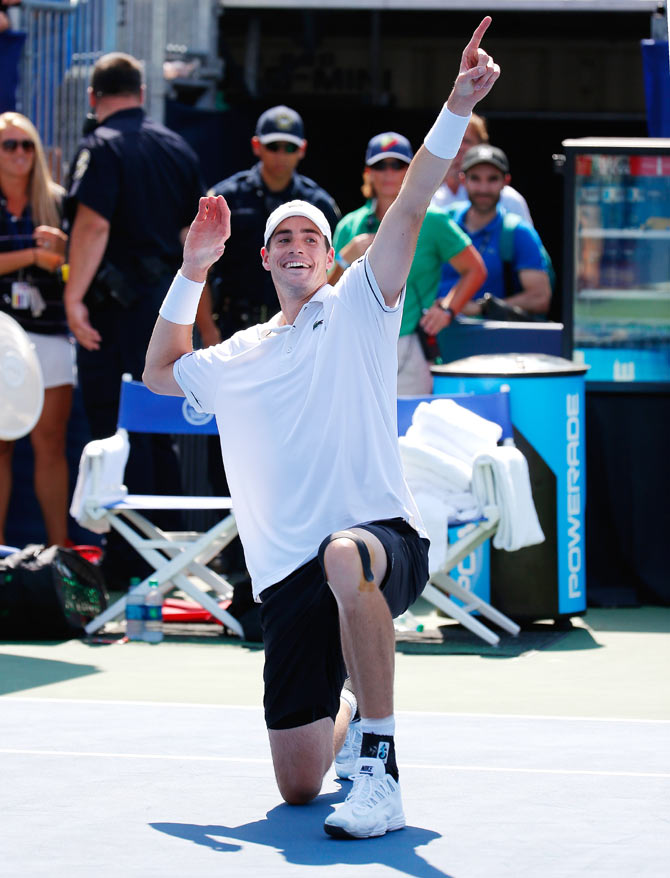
x,y
386,161
452,189
134,186
32,250
485,172
279,144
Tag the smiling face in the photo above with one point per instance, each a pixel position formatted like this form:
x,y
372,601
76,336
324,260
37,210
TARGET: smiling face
x,y
19,162
298,257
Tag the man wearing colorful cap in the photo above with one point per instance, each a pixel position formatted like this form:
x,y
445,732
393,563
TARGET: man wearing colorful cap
x,y
522,280
387,159
306,408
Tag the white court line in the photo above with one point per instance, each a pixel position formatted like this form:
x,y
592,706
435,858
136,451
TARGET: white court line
x,y
10,751
398,713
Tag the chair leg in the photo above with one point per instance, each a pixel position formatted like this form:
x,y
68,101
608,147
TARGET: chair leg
x,y
169,572
440,600
450,586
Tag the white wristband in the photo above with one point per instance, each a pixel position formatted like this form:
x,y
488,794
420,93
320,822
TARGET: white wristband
x,y
181,303
444,138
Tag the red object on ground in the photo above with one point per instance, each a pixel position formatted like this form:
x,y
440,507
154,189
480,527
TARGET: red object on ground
x,y
179,610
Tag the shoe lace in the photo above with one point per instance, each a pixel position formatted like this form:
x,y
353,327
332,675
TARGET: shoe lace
x,y
367,791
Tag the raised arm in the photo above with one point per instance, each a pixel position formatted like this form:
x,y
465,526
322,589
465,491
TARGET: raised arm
x,y
173,333
392,251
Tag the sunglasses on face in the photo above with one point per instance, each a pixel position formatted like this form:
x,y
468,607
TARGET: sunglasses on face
x,y
389,165
282,146
11,145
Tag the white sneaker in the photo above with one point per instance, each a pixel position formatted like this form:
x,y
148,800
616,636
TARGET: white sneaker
x,y
345,761
373,807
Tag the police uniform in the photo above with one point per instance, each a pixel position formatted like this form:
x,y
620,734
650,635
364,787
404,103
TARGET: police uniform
x,y
253,298
145,180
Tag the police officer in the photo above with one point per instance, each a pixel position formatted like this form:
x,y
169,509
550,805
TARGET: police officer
x,y
133,189
279,144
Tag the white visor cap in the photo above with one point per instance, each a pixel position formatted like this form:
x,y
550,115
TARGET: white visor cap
x,y
298,208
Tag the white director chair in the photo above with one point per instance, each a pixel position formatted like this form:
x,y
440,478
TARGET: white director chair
x,y
101,502
442,587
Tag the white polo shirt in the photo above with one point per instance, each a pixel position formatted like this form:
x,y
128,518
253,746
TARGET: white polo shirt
x,y
307,418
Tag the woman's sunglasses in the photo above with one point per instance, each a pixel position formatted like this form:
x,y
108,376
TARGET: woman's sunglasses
x,y
389,165
11,145
281,145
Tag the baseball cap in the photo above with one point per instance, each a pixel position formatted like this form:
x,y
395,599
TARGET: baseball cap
x,y
389,145
482,154
280,123
297,208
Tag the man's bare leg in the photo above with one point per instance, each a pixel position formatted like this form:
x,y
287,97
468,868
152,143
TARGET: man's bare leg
x,y
301,757
368,639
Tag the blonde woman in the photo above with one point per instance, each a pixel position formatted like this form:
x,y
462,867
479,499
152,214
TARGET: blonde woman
x,y
32,250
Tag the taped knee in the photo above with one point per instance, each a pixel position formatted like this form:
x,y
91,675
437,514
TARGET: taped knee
x,y
360,545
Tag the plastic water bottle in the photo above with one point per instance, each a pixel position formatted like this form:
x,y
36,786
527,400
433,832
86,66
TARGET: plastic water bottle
x,y
153,614
407,621
134,611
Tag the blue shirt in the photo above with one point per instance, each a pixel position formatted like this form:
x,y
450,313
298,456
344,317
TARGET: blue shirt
x,y
527,252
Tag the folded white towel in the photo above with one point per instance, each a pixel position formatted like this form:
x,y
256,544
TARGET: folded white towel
x,y
454,429
425,435
444,467
110,456
519,525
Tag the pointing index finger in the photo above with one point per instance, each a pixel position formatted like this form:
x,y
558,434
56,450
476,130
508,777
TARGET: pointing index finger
x,y
476,39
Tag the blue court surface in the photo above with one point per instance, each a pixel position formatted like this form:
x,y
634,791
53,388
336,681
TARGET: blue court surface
x,y
548,757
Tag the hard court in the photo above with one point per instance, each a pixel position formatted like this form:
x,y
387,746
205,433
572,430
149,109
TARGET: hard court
x,y
538,762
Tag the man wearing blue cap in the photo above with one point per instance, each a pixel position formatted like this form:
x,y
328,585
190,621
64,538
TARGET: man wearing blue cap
x,y
440,242
306,408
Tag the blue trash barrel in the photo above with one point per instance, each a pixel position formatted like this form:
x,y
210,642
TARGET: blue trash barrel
x,y
547,406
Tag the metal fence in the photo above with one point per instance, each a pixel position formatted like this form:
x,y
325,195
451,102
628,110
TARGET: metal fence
x,y
66,37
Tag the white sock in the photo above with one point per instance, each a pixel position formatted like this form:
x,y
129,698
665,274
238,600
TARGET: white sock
x,y
383,726
349,698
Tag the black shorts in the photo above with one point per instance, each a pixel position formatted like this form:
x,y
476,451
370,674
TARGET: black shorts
x,y
304,668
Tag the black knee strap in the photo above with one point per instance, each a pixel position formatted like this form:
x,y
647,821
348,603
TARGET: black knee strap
x,y
360,545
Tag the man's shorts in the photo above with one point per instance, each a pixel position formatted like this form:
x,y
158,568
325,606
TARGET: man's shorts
x,y
304,667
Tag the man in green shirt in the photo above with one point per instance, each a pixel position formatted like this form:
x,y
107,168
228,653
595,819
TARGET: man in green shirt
x,y
440,240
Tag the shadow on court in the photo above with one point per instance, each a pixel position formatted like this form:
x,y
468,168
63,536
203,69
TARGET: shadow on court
x,y
454,639
25,672
297,833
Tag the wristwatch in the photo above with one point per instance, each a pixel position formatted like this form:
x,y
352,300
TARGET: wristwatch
x,y
450,311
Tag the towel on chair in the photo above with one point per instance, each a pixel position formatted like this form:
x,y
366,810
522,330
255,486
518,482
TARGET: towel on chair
x,y
519,525
441,487
439,466
453,429
111,456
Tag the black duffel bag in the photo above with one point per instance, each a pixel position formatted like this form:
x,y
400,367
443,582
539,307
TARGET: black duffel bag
x,y
48,593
